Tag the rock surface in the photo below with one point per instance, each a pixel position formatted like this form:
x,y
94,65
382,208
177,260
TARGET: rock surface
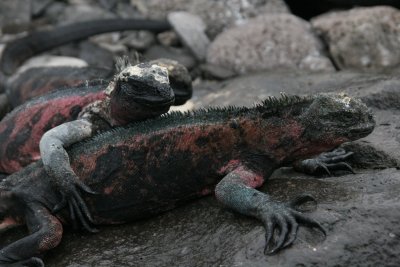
x,y
272,41
362,38
14,14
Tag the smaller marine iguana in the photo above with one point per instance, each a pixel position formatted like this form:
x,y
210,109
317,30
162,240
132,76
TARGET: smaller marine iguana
x,y
22,129
30,83
149,167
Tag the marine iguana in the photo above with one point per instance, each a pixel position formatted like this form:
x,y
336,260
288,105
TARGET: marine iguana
x,y
31,83
152,166
21,130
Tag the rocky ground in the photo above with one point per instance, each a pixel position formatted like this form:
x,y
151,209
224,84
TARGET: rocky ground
x,y
247,52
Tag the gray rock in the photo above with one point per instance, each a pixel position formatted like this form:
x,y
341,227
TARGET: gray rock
x,y
48,61
362,38
273,41
138,40
83,12
168,38
216,72
127,11
54,11
218,15
181,55
92,53
14,14
38,6
190,28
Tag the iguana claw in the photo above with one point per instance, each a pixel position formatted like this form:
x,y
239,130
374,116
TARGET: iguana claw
x,y
287,220
325,162
78,209
301,199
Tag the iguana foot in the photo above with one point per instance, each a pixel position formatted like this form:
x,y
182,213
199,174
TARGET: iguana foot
x,y
286,219
325,163
78,209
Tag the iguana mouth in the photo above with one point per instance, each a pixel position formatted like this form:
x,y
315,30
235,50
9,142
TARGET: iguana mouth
x,y
157,102
361,131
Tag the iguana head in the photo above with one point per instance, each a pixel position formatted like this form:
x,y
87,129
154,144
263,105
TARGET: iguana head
x,y
139,92
337,116
306,126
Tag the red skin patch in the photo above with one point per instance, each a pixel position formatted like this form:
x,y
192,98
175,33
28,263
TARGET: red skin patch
x,y
22,129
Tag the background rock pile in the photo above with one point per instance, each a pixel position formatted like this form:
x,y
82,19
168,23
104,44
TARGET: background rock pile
x,y
238,52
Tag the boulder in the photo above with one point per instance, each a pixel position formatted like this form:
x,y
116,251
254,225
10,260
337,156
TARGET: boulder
x,y
362,38
269,42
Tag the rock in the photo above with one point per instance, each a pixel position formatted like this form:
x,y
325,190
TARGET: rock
x,y
127,11
190,28
92,53
307,9
110,38
83,12
138,40
48,61
15,15
116,49
217,15
216,72
54,11
96,56
168,38
108,4
368,156
181,55
362,38
39,6
273,41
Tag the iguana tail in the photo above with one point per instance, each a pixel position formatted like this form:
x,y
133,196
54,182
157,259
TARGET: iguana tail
x,y
21,49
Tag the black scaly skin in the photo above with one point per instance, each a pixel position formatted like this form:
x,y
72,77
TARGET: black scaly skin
x,y
149,167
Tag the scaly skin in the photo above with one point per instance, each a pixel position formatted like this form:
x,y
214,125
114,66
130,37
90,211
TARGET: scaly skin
x,y
22,129
153,166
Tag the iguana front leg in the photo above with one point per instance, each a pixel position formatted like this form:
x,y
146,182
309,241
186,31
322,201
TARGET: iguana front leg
x,y
57,164
45,233
236,191
325,163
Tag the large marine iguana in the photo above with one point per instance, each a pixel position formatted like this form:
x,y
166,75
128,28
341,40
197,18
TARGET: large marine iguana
x,y
152,166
